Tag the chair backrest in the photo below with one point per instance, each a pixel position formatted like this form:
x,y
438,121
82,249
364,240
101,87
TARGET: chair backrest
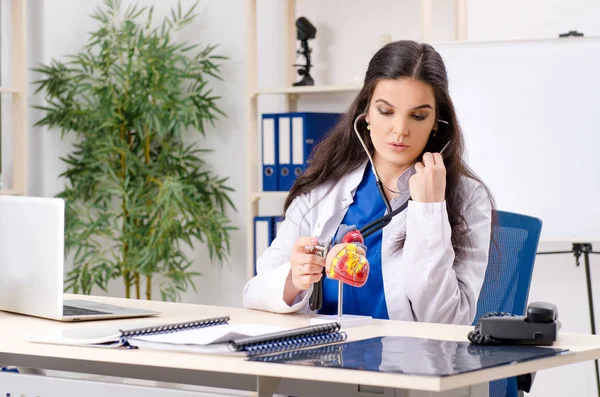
x,y
513,248
508,276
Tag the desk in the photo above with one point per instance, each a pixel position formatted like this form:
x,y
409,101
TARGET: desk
x,y
266,378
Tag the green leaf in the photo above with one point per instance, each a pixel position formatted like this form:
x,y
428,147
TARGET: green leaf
x,y
135,193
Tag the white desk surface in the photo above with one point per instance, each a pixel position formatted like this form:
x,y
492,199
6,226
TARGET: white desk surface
x,y
13,329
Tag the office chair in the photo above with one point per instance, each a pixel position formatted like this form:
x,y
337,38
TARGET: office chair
x,y
507,279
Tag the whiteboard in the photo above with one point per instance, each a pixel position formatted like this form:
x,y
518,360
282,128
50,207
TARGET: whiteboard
x,y
530,112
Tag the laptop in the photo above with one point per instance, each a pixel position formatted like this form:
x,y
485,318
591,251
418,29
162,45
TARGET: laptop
x,y
32,264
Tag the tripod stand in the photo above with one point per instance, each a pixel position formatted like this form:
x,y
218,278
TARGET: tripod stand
x,y
577,250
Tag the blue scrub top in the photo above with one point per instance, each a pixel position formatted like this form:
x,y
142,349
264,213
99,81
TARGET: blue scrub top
x,y
368,300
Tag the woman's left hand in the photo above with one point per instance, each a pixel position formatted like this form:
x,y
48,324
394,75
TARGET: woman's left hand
x,y
428,184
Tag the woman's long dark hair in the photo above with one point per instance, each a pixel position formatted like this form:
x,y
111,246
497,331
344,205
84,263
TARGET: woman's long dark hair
x,y
340,152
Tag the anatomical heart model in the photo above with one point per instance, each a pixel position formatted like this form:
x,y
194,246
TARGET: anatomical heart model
x,y
349,265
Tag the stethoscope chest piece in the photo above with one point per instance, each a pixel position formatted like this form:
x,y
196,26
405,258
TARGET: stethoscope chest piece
x,y
316,298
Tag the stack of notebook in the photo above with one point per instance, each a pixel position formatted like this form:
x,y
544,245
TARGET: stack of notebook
x,y
212,335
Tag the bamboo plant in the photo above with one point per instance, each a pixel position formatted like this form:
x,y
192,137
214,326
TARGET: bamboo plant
x,y
136,193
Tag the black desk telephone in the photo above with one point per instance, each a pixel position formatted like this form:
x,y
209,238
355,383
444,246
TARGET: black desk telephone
x,y
539,327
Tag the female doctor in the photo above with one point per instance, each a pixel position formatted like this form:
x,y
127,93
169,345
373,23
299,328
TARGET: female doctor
x,y
429,262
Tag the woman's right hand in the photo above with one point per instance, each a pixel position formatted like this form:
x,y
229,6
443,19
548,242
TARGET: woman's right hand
x,y
306,267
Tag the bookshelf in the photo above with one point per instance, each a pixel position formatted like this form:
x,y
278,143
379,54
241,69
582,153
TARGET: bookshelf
x,y
255,195
325,89
16,89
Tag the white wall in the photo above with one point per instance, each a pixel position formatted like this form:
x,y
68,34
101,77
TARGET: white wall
x,y
348,34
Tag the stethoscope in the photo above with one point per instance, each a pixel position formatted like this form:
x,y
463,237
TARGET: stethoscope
x,y
316,299
382,222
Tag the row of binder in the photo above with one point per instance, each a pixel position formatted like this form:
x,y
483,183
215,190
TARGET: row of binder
x,y
265,230
287,141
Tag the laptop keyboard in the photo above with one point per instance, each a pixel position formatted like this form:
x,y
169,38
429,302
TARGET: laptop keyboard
x,y
78,311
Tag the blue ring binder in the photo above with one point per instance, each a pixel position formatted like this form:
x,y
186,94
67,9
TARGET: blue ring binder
x,y
327,355
315,335
300,343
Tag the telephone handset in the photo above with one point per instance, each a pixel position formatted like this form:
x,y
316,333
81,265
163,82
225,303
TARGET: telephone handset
x,y
538,327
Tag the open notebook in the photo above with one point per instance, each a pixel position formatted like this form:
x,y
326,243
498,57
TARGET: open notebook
x,y
211,335
113,335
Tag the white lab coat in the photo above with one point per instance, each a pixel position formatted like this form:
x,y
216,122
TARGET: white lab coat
x,y
421,282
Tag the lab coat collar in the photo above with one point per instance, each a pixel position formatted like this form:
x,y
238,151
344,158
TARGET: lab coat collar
x,y
403,187
354,178
337,200
402,183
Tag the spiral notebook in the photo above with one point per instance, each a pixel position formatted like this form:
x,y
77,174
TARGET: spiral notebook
x,y
118,336
260,343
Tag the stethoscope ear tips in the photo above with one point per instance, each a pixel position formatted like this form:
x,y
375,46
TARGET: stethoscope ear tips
x,y
357,119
